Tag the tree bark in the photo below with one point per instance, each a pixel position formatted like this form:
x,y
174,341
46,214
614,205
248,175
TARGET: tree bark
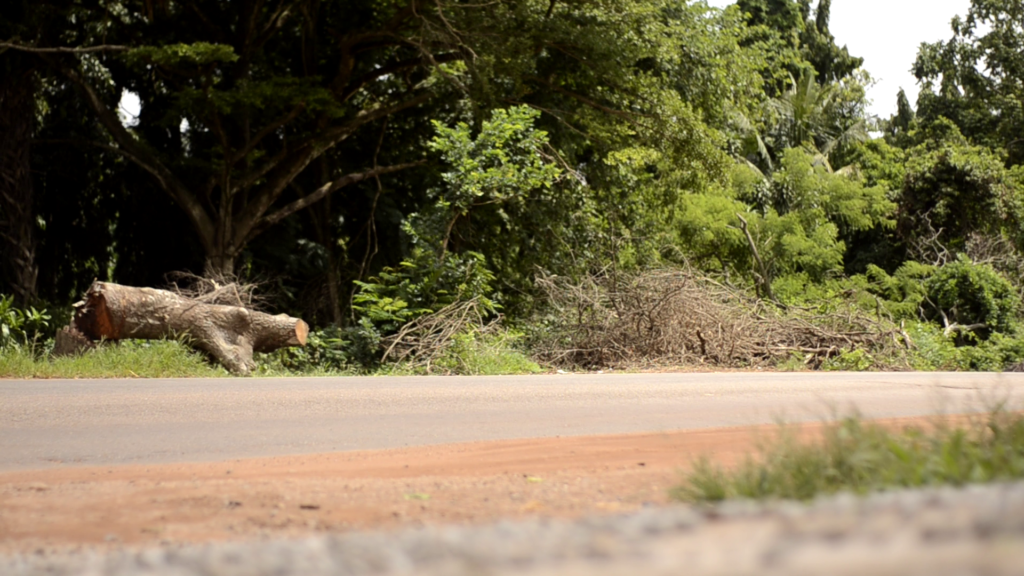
x,y
230,334
17,219
220,264
320,216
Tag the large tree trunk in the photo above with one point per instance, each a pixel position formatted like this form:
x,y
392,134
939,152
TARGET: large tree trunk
x,y
320,216
17,117
220,263
228,333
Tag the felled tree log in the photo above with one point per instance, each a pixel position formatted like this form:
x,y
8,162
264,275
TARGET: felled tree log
x,y
230,334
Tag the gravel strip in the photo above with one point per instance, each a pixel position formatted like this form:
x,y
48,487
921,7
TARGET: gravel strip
x,y
974,530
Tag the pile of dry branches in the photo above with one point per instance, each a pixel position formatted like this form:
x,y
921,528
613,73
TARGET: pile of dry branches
x,y
423,341
227,291
679,317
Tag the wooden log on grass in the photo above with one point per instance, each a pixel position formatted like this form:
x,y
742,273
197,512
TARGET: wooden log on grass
x,y
230,334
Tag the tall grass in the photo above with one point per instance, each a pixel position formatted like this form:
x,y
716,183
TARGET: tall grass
x,y
862,457
128,359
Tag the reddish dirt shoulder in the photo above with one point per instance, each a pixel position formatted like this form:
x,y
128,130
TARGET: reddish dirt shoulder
x,y
296,495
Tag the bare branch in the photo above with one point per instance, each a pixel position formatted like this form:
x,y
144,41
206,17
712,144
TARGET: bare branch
x,y
141,155
266,131
322,192
362,81
276,21
765,278
962,328
588,101
64,49
281,172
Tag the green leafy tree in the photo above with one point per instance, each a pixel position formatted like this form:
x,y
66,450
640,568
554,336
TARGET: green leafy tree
x,y
792,224
239,99
821,118
500,165
900,125
505,166
19,84
254,115
972,297
953,189
806,31
831,61
974,78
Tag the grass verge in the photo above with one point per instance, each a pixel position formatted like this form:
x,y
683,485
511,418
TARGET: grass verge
x,y
127,359
863,457
469,354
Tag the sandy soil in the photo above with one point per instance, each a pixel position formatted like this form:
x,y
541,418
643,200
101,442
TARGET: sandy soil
x,y
293,496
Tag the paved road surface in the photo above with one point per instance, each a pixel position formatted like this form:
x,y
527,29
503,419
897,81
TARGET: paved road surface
x,y
48,423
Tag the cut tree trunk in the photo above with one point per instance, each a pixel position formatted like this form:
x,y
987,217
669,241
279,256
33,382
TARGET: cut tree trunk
x,y
230,334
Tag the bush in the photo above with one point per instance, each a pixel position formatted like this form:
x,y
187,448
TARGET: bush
x,y
850,361
972,294
902,294
18,326
935,349
326,351
479,354
422,285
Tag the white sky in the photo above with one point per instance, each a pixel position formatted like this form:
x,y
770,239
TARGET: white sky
x,y
887,33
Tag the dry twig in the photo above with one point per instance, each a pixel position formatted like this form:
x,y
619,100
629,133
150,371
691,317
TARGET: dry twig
x,y
677,317
223,290
423,341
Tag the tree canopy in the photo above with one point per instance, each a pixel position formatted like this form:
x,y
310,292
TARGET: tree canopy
x,y
373,161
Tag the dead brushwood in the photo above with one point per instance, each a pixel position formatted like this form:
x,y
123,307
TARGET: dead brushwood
x,y
679,317
420,343
223,290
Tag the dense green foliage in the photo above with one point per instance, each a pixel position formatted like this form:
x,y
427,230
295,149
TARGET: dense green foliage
x,y
861,457
20,326
375,163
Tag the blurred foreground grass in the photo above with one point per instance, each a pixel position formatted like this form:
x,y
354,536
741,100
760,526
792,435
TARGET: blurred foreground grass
x,y
863,457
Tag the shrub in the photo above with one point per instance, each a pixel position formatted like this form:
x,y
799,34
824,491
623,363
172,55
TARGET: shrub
x,y
937,349
850,361
326,351
419,288
902,294
970,294
482,354
18,326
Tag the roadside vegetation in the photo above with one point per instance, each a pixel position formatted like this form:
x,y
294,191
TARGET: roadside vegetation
x,y
511,187
861,457
127,359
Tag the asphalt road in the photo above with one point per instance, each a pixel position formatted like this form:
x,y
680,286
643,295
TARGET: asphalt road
x,y
48,423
